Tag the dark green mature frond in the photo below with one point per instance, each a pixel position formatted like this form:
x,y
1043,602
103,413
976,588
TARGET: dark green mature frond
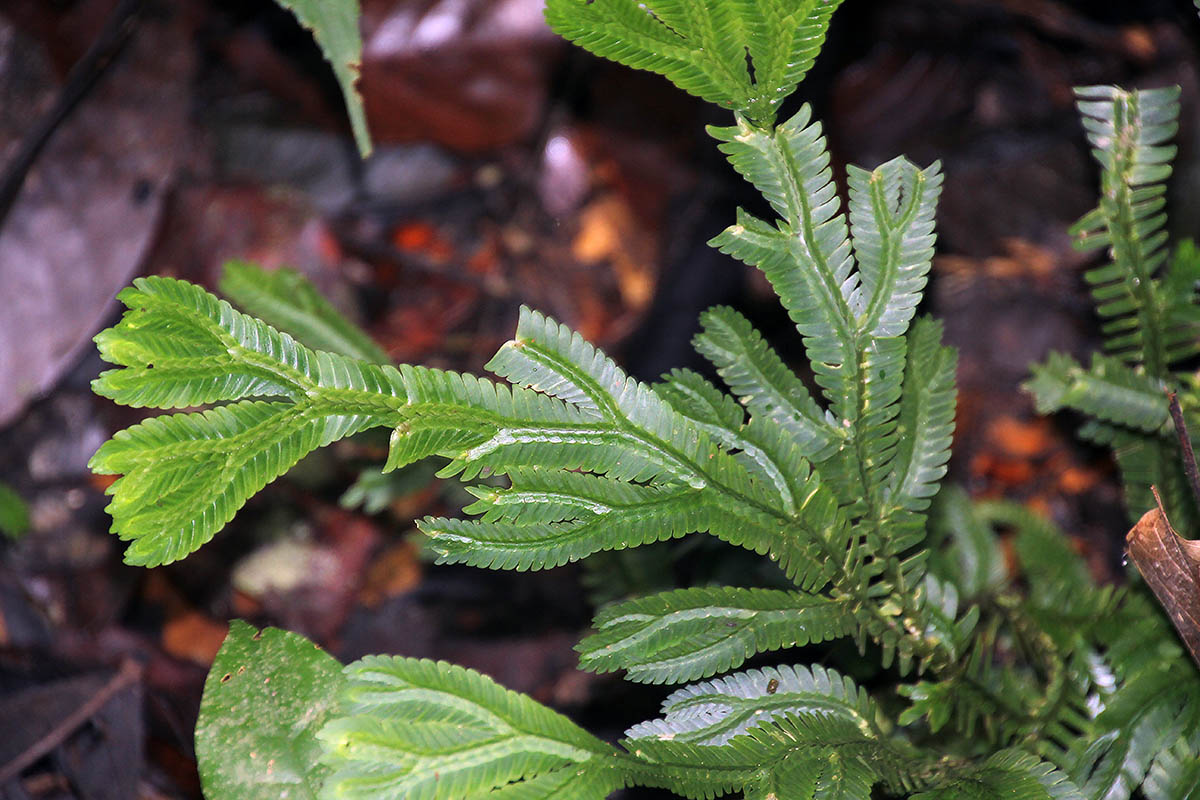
x,y
1110,390
1129,132
713,712
757,375
1147,460
627,431
965,550
1176,773
425,730
1009,774
288,301
807,750
747,55
687,634
1153,711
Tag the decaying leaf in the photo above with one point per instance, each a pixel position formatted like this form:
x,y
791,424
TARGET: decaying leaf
x,y
1171,566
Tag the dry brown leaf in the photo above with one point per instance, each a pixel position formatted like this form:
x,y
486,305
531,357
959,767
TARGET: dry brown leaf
x,y
1171,566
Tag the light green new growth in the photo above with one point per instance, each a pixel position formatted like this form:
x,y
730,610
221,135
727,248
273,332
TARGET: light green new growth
x,y
744,55
1058,689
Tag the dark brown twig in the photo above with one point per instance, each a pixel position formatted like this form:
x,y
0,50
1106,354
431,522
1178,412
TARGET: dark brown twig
x,y
1185,445
83,76
128,674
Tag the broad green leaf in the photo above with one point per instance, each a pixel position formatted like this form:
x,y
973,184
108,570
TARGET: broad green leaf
x,y
266,696
687,634
286,300
334,26
425,730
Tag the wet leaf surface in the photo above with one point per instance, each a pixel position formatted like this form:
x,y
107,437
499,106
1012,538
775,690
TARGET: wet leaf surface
x,y
266,696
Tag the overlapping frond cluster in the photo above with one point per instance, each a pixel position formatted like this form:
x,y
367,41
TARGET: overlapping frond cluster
x,y
1091,678
1046,695
745,55
1146,297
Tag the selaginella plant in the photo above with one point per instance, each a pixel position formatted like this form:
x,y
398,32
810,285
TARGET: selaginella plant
x,y
1038,685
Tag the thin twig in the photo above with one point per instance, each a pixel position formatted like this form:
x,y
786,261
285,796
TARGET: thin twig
x,y
1185,446
128,674
84,75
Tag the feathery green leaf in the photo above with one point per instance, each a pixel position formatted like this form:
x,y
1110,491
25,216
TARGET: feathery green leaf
x,y
287,300
687,634
425,730
1129,132
747,55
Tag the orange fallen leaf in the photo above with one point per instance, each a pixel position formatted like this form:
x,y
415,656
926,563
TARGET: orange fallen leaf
x,y
394,572
194,637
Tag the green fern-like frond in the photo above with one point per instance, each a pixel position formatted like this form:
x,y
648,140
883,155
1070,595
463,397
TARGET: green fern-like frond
x,y
288,301
185,475
747,55
806,755
965,550
773,459
687,634
626,431
1008,774
1149,712
807,255
1110,390
425,730
891,219
713,712
1129,132
925,427
1176,773
769,390
1152,318
1146,460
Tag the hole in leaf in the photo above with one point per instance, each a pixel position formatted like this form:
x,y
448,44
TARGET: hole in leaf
x,y
226,677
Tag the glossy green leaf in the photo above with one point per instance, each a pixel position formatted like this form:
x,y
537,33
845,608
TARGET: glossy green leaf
x,y
266,696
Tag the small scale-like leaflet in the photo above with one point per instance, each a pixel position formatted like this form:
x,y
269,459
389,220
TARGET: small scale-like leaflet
x,y
1171,566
